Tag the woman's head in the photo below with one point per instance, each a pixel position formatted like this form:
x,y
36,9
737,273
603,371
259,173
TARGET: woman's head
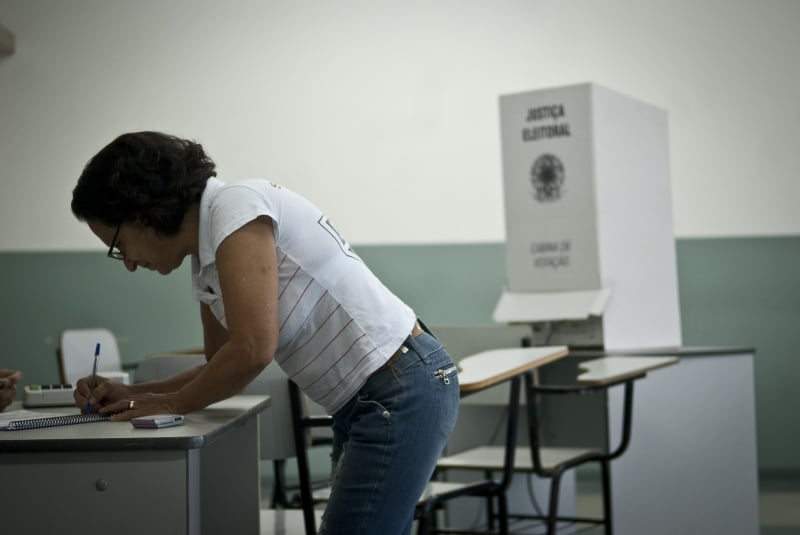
x,y
148,178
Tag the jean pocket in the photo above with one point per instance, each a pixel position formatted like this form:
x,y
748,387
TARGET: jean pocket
x,y
446,374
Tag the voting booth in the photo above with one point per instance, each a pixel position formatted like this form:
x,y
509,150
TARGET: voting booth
x,y
590,252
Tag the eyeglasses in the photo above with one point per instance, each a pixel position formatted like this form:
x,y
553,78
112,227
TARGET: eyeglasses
x,y
113,251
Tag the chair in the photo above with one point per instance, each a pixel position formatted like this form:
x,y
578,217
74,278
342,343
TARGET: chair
x,y
489,488
75,353
549,462
306,418
303,422
461,342
477,373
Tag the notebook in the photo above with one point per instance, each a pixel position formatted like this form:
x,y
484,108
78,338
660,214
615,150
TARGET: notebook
x,y
17,420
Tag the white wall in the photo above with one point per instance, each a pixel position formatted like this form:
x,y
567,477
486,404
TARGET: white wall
x,y
385,112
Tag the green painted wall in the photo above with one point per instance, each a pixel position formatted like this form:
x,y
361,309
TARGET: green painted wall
x,y
741,292
746,292
47,292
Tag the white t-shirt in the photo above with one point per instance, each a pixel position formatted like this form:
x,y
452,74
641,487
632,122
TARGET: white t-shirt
x,y
338,323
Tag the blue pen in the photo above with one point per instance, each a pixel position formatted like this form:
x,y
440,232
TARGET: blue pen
x,y
94,376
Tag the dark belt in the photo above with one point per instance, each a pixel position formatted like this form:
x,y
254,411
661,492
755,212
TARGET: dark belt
x,y
402,350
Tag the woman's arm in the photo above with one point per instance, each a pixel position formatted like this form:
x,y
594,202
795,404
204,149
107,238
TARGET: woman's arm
x,y
248,273
214,337
107,392
214,334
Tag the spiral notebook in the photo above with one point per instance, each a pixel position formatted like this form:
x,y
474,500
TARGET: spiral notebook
x,y
16,422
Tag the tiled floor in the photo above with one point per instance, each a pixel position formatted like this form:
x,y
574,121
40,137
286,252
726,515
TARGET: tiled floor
x,y
779,506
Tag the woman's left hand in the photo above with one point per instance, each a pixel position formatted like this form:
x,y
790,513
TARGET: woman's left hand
x,y
139,405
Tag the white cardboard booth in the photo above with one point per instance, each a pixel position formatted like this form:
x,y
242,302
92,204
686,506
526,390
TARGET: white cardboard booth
x,y
590,253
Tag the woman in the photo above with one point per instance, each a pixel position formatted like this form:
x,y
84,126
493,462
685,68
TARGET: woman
x,y
275,280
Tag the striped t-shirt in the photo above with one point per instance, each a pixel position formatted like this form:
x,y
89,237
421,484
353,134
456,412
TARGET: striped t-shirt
x,y
338,322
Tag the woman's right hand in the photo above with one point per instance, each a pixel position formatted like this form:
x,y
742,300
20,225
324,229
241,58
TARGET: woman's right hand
x,y
105,392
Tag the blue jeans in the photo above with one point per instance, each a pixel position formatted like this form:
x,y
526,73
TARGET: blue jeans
x,y
387,440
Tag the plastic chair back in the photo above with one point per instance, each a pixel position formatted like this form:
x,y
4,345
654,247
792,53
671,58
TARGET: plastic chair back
x,y
76,349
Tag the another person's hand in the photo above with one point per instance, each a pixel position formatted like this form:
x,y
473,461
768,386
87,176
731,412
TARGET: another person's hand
x,y
8,386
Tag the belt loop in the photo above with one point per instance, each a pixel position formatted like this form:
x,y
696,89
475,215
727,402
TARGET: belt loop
x,y
425,327
411,342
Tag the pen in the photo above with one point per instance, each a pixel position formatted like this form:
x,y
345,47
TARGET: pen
x,y
94,376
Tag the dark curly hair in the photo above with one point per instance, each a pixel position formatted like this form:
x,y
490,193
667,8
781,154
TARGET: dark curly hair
x,y
148,178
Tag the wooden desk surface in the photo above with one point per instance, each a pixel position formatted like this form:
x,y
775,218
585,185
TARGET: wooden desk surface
x,y
202,427
488,368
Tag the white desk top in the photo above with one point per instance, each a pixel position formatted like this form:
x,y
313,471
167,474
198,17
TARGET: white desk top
x,y
489,368
615,368
201,428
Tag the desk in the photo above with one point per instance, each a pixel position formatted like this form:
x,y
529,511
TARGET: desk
x,y
595,372
612,369
200,478
489,368
477,373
